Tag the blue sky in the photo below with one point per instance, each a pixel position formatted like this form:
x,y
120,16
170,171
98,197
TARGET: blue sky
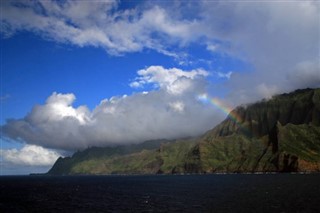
x,y
46,66
80,73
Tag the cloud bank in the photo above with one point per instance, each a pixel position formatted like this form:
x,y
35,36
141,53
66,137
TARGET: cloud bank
x,y
279,40
30,155
171,110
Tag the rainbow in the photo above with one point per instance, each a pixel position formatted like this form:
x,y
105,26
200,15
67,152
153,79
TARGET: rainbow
x,y
215,102
225,109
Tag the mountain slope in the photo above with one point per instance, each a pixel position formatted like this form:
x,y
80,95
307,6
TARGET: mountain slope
x,y
161,156
277,135
256,120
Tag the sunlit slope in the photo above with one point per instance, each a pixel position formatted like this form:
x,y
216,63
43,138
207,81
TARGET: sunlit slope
x,y
161,157
277,135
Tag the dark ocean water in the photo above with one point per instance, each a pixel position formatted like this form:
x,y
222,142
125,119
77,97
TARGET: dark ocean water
x,y
161,193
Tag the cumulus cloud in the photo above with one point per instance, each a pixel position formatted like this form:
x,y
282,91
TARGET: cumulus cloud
x,y
30,155
171,110
57,107
174,81
279,40
99,24
275,38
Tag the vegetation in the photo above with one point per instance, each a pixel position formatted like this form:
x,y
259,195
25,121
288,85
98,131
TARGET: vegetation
x,y
277,135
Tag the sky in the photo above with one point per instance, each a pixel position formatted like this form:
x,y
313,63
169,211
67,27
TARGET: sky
x,y
77,74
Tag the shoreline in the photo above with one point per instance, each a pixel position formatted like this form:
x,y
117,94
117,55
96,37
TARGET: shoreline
x,y
177,174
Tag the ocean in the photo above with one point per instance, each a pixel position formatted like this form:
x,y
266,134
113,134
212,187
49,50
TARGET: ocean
x,y
162,193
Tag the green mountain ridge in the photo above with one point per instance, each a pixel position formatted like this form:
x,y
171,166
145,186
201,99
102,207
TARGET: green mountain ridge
x,y
277,135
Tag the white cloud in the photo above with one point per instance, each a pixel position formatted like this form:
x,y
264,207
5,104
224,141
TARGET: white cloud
x,y
224,75
272,38
277,39
58,107
135,84
266,91
269,36
170,111
305,74
177,106
99,24
175,81
212,47
30,155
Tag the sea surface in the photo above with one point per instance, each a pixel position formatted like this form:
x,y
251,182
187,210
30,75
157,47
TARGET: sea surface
x,y
161,193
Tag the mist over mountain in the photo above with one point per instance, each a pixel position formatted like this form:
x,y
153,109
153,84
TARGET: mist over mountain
x,y
277,135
